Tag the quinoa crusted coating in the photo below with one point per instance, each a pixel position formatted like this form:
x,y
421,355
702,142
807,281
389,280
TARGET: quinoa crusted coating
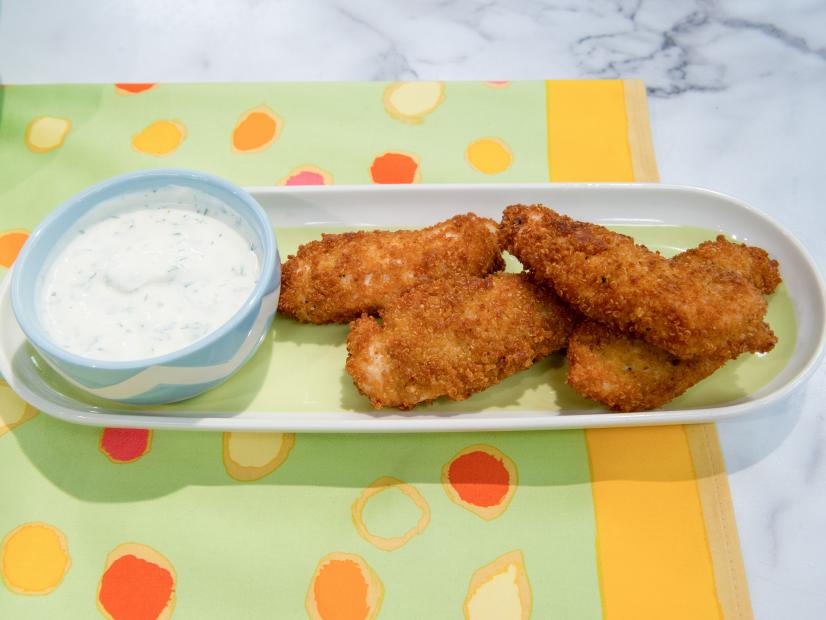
x,y
343,276
751,262
453,337
628,374
690,310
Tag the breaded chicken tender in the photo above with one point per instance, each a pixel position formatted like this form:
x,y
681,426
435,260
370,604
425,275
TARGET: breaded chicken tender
x,y
690,310
453,337
343,276
751,262
628,374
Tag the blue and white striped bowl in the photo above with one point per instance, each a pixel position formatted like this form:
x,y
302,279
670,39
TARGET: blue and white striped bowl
x,y
177,375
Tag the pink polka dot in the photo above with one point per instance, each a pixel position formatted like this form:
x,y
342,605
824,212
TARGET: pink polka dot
x,y
305,177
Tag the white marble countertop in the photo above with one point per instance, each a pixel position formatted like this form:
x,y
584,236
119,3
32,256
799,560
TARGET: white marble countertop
x,y
737,91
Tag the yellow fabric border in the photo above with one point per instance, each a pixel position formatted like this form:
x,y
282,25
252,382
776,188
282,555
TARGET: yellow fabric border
x,y
640,140
721,525
651,482
587,131
652,552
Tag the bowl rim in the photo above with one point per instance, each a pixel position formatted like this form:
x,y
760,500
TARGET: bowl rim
x,y
37,335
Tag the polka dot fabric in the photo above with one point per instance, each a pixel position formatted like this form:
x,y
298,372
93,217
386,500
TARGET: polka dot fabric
x,y
139,524
291,526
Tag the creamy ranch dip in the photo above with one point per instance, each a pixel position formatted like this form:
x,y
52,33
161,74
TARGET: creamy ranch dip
x,y
159,271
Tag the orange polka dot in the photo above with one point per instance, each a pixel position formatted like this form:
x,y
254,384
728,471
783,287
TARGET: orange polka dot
x,y
138,583
34,558
344,587
337,577
133,88
395,167
307,175
481,479
125,445
497,83
11,243
159,138
256,130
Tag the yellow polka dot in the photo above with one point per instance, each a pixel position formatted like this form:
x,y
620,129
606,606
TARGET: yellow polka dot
x,y
410,102
500,590
251,456
34,558
13,409
46,133
489,155
159,138
383,484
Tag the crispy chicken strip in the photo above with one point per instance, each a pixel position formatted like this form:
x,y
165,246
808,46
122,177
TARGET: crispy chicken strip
x,y
453,337
751,262
628,374
690,310
339,278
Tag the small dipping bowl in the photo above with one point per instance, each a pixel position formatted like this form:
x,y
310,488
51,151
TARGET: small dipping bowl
x,y
182,373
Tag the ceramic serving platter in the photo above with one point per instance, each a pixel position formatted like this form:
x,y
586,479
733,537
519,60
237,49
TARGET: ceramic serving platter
x,y
296,382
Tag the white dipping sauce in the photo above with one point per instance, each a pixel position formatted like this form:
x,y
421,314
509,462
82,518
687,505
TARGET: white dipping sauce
x,y
160,271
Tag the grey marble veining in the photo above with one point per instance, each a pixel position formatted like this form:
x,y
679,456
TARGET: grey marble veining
x,y
737,91
673,47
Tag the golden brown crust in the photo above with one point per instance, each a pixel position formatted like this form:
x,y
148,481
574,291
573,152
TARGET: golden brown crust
x,y
751,262
627,373
453,337
342,276
689,309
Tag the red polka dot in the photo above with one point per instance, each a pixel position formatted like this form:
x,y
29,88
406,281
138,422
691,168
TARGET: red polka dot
x,y
135,88
124,445
479,478
395,168
134,589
